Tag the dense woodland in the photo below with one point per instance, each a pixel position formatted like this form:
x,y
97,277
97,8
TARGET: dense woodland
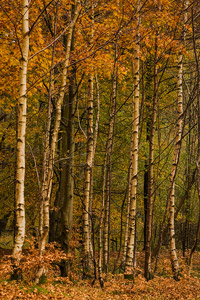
x,y
100,140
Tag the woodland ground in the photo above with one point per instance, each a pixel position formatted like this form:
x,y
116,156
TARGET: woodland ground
x,y
116,287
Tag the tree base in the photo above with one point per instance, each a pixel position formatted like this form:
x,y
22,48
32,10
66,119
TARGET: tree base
x,y
17,274
150,276
101,282
64,266
43,279
87,276
176,278
41,276
129,277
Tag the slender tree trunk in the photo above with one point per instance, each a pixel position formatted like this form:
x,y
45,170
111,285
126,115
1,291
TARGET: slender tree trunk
x,y
134,169
91,222
134,151
100,256
128,210
96,129
148,271
173,254
145,198
67,193
21,131
171,199
88,234
187,190
109,148
103,255
47,137
91,171
94,142
107,217
87,259
148,99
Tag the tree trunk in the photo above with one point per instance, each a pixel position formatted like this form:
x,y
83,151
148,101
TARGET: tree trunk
x,y
109,147
100,256
134,161
171,199
148,99
91,221
67,190
173,255
128,211
148,272
47,137
21,131
87,259
103,257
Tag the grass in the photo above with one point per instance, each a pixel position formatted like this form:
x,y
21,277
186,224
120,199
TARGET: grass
x,y
36,289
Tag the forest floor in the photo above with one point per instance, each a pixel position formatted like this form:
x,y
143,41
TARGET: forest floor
x,y
115,288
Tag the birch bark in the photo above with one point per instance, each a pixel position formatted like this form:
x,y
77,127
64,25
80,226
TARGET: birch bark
x,y
21,132
134,152
128,211
148,272
87,259
67,190
109,148
171,199
103,257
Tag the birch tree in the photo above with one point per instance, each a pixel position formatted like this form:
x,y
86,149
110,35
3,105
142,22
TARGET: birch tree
x,y
128,209
87,259
148,272
134,153
21,132
67,188
109,147
179,124
103,259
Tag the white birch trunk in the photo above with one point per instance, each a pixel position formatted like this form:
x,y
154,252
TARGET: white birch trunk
x,y
96,129
173,254
21,131
103,257
109,147
87,259
148,271
134,151
171,199
88,191
128,210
